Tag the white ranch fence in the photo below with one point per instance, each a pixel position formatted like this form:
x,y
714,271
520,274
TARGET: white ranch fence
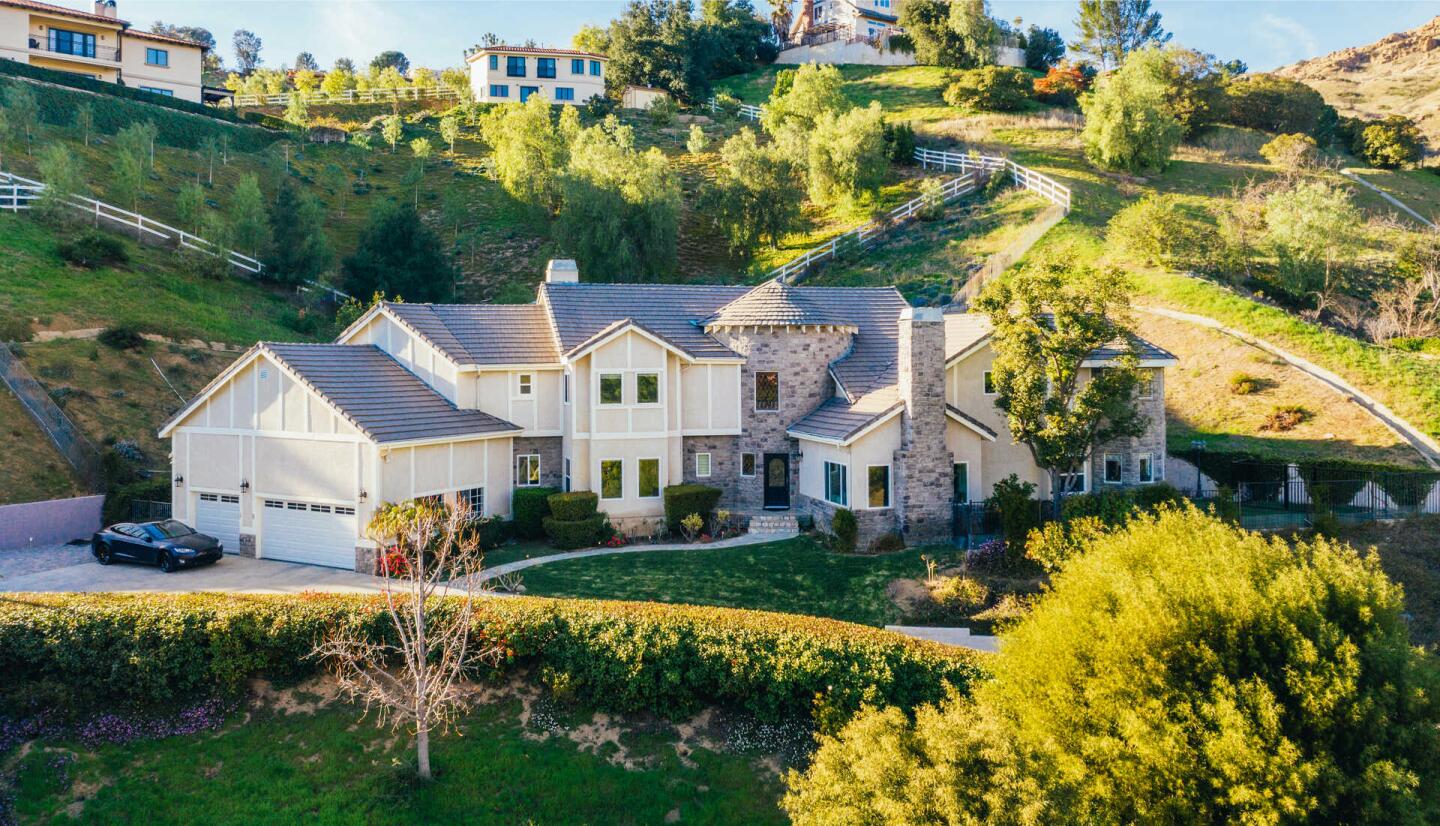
x,y
747,110
1042,185
351,96
17,193
862,237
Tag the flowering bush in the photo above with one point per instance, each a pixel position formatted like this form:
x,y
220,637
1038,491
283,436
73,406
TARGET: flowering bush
x,y
392,562
617,540
691,526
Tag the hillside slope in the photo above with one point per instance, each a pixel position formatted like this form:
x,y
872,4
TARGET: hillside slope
x,y
1396,75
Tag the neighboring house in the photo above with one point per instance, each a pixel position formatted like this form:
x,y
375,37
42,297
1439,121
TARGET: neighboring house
x,y
99,45
858,32
503,74
799,399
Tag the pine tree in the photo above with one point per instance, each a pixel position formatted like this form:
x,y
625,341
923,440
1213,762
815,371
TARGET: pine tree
x,y
398,254
1111,29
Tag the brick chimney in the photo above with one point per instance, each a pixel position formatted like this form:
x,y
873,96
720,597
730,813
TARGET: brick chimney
x,y
924,468
562,271
105,8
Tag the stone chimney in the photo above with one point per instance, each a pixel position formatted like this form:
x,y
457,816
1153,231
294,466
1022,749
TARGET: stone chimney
x,y
924,468
105,8
562,271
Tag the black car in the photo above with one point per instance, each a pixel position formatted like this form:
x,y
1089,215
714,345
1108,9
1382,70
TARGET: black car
x,y
167,543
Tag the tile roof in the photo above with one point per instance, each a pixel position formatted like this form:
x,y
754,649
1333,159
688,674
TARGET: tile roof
x,y
671,311
163,38
873,360
773,302
536,50
379,396
964,330
972,421
51,8
838,420
484,334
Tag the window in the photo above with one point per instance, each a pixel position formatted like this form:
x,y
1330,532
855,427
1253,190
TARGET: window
x,y
169,93
564,93
747,464
527,470
473,499
647,388
879,478
157,57
595,68
702,465
527,91
494,62
545,67
527,384
835,484
434,500
577,66
1114,468
565,388
76,43
514,66
567,474
1145,465
499,90
1072,482
1147,384
962,482
612,388
612,479
649,478
767,391
989,383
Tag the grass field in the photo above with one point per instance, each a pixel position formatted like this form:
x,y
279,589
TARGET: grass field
x,y
796,576
518,758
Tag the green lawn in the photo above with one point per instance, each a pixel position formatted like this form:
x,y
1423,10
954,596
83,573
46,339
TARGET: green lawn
x,y
796,576
326,767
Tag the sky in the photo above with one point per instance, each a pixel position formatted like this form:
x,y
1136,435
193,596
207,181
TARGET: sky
x,y
1263,33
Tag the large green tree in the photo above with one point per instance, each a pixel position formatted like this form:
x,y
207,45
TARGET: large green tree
x,y
1276,104
1111,29
1178,671
955,33
301,251
848,156
756,195
663,43
1316,232
528,150
1048,319
1130,124
397,254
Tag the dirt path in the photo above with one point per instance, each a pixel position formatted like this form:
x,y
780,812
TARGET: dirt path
x,y
87,333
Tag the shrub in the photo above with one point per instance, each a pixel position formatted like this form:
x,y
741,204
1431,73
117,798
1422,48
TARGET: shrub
x,y
122,337
1054,544
900,143
599,107
729,105
959,596
1294,151
1130,125
1285,417
1061,85
1157,231
692,526
887,543
683,500
529,507
578,533
491,531
668,659
1019,511
933,207
1274,104
119,498
1170,665
1243,384
990,89
579,504
662,110
1390,143
93,248
845,529
14,328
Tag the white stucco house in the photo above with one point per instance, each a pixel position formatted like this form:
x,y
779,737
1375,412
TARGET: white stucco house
x,y
797,400
505,74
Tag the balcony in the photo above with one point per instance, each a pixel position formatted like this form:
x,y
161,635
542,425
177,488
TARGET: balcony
x,y
75,49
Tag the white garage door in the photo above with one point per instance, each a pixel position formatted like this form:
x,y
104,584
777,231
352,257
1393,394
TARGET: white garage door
x,y
218,515
308,532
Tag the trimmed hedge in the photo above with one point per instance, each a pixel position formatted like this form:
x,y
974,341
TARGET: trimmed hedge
x,y
569,534
573,506
683,500
529,507
670,659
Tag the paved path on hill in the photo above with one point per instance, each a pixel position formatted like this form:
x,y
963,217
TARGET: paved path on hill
x,y
1391,198
1426,446
959,637
733,542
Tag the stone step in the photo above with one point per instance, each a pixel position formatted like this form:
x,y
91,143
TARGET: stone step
x,y
774,523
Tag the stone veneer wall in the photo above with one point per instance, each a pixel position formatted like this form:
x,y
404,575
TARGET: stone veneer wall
x,y
1152,442
552,462
802,358
923,466
724,466
872,523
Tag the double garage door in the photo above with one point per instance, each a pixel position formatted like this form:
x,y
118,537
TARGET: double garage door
x,y
309,532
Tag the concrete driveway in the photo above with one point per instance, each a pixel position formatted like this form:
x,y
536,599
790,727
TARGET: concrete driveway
x,y
233,574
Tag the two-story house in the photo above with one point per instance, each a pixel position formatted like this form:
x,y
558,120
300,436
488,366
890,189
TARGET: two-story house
x,y
99,45
505,74
789,399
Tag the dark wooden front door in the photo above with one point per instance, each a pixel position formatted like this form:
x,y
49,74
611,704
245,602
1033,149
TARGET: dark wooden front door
x,y
777,481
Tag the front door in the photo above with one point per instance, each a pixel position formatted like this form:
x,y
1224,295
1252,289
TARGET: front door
x,y
777,481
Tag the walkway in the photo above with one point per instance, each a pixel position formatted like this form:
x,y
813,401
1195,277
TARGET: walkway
x,y
1427,447
958,637
1391,198
733,542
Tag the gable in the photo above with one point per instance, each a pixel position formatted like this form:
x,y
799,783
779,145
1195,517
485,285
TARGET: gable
x,y
259,394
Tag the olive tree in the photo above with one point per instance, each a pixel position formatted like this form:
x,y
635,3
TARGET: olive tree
x,y
1129,123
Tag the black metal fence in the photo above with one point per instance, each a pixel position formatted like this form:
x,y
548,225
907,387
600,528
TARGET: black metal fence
x,y
145,510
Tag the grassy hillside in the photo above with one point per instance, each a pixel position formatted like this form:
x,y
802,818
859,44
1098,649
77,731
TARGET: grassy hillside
x,y
30,467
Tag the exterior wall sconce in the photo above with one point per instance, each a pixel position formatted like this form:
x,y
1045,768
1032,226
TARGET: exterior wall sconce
x,y
244,485
179,481
364,496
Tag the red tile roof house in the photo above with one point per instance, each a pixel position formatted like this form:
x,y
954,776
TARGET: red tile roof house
x,y
789,399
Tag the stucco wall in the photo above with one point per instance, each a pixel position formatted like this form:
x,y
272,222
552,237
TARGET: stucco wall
x,y
584,85
182,76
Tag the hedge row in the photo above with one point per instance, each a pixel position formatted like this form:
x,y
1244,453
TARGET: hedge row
x,y
113,111
670,659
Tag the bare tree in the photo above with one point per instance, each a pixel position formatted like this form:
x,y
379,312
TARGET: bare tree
x,y
1409,310
429,581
